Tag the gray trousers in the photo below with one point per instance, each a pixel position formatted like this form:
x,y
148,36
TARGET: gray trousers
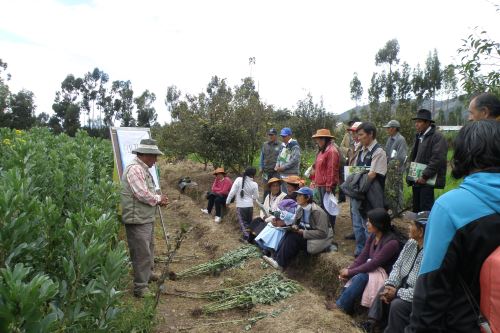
x,y
399,316
140,238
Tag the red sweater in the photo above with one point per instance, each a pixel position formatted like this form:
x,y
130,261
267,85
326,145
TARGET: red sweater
x,y
222,186
326,167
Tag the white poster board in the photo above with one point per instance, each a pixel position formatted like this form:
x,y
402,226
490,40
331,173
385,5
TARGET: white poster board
x,y
127,139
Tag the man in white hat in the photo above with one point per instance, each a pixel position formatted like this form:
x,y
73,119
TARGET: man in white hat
x,y
397,151
139,204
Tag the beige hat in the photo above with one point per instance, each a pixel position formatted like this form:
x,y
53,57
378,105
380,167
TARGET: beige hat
x,y
322,133
295,180
273,180
147,146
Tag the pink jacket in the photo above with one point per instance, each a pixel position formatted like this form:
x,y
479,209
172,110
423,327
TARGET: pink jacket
x,y
376,280
326,167
222,186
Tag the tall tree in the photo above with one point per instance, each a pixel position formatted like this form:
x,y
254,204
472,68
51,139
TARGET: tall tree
x,y
22,107
433,75
4,94
94,95
404,86
123,104
67,106
419,84
356,89
450,83
146,113
388,54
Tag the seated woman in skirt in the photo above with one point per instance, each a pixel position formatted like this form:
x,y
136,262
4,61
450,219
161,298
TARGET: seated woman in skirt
x,y
381,251
310,231
269,239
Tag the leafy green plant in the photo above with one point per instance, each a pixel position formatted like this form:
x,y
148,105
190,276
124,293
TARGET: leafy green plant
x,y
62,262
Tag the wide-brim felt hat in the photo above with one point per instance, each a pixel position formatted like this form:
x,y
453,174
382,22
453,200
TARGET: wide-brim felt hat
x,y
219,170
148,147
323,133
423,114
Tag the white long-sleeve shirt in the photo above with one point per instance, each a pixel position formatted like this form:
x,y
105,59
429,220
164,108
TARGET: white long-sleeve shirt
x,y
250,192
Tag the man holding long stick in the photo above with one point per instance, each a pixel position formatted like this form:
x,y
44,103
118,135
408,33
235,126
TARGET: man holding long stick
x,y
139,205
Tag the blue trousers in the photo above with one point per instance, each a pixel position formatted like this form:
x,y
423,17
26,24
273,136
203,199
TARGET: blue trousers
x,y
352,293
358,226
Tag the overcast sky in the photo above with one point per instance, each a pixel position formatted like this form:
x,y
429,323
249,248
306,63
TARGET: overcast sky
x,y
299,46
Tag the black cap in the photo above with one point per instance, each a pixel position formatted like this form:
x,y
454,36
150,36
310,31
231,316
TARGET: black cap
x,y
272,131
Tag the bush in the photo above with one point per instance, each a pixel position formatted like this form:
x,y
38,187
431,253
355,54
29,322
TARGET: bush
x,y
62,262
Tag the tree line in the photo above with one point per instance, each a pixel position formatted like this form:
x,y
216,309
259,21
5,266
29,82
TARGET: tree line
x,y
91,102
225,125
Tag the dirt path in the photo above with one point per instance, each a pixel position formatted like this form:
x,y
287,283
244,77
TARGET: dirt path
x,y
304,312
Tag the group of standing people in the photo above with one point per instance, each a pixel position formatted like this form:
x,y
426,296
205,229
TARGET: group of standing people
x,y
427,285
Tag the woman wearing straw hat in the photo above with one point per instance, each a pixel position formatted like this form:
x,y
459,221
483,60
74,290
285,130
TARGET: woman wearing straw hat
x,y
292,184
326,168
270,206
218,195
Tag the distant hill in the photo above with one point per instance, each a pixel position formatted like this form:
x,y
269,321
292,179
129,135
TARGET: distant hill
x,y
446,105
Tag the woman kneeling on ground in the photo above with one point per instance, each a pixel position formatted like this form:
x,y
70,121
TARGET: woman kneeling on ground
x,y
246,190
377,257
218,195
392,307
310,231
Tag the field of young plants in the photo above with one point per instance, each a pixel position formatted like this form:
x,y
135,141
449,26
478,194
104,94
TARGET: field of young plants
x,y
62,264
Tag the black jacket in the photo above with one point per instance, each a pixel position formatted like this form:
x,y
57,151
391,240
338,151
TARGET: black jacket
x,y
432,151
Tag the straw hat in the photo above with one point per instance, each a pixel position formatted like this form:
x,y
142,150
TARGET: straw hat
x,y
295,180
219,170
322,133
147,146
273,180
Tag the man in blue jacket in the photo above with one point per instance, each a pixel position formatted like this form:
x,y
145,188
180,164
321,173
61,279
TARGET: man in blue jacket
x,y
463,230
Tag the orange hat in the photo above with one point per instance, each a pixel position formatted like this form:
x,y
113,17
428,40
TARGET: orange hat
x,y
295,180
322,133
219,170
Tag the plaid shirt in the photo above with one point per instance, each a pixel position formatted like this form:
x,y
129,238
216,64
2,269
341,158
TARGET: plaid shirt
x,y
136,177
405,271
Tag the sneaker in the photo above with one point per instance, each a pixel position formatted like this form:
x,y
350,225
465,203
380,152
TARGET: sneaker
x,y
145,292
205,211
217,219
273,263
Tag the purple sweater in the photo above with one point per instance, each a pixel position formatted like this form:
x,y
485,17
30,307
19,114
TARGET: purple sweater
x,y
384,255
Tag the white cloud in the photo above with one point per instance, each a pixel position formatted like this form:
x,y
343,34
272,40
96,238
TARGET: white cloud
x,y
300,47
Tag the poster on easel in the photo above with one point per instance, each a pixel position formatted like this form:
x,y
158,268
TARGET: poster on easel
x,y
125,140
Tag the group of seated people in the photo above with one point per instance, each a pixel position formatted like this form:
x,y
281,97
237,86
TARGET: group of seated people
x,y
382,276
